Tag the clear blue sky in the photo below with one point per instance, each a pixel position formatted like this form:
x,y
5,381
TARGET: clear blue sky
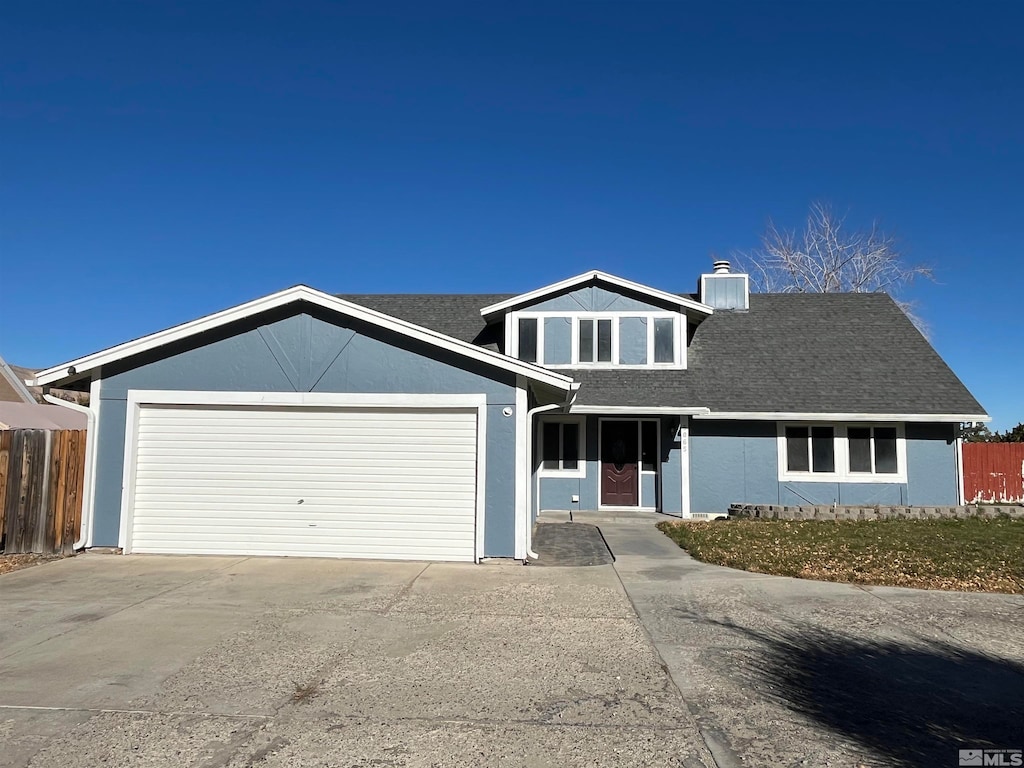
x,y
159,161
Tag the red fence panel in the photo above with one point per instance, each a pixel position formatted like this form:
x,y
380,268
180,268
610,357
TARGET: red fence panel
x,y
994,472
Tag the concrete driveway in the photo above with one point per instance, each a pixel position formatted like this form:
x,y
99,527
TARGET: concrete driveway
x,y
787,672
206,661
248,662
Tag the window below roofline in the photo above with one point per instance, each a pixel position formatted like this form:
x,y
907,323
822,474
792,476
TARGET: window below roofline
x,y
536,351
546,452
871,449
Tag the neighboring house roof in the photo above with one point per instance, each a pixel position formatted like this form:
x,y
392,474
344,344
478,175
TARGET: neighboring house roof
x,y
684,302
12,388
76,369
790,354
35,416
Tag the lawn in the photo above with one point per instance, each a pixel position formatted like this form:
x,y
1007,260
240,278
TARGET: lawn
x,y
971,555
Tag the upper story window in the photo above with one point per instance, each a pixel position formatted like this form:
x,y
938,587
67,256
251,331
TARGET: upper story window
x,y
630,339
843,453
528,339
595,340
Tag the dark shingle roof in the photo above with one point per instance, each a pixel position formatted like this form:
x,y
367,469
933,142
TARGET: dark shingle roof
x,y
829,353
833,353
456,314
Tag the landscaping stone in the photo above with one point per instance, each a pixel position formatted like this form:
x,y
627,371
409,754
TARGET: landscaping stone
x,y
873,512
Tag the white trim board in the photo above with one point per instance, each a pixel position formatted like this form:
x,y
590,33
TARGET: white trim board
x,y
872,417
300,293
638,410
137,399
603,277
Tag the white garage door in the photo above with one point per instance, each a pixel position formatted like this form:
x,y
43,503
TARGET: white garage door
x,y
377,483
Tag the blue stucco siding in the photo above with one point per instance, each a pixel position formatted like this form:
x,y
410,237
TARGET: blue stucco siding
x,y
633,340
859,494
556,491
596,298
732,461
557,340
932,464
671,468
313,351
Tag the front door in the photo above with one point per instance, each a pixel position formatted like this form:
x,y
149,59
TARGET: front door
x,y
620,471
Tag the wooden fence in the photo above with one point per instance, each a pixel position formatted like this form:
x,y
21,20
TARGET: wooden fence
x,y
994,472
41,476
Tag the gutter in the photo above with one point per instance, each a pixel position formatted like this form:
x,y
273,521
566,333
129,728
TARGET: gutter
x,y
85,534
569,400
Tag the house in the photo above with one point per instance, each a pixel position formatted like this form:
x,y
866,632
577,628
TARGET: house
x,y
439,426
19,409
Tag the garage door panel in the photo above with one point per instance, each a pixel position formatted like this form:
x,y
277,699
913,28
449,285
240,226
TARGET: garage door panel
x,y
373,483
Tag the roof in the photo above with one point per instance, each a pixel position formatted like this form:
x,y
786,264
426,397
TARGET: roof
x,y
35,416
823,352
75,369
12,388
791,353
683,301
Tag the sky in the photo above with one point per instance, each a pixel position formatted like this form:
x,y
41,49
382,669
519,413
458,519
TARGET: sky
x,y
163,160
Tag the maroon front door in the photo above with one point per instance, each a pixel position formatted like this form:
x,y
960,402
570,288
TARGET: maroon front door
x,y
620,470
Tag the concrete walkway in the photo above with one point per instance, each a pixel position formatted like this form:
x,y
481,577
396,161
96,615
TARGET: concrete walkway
x,y
787,672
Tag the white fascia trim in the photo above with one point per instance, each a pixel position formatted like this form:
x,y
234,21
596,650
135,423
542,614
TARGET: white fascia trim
x,y
604,277
872,417
289,296
638,410
304,399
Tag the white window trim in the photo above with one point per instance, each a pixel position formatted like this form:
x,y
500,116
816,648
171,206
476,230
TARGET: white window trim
x,y
841,450
641,506
581,463
575,316
594,317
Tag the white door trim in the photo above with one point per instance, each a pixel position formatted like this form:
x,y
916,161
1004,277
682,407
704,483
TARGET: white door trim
x,y
137,398
639,465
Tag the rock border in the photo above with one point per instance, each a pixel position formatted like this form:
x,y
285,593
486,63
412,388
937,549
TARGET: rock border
x,y
879,512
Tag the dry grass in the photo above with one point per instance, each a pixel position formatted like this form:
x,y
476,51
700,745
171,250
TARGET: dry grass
x,y
972,555
10,563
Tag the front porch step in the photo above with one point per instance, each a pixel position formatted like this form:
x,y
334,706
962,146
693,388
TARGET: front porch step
x,y
604,516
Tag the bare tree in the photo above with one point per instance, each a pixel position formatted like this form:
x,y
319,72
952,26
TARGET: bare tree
x,y
826,257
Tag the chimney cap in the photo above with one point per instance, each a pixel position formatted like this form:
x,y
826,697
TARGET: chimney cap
x,y
721,266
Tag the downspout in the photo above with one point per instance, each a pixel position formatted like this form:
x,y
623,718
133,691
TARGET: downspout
x,y
569,399
85,534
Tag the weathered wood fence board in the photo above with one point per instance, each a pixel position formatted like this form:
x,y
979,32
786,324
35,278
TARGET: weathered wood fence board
x,y
41,477
994,472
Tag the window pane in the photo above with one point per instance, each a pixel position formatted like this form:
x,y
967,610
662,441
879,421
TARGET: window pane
x,y
823,448
860,448
604,341
570,446
885,450
586,341
649,446
551,432
664,340
528,339
796,450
